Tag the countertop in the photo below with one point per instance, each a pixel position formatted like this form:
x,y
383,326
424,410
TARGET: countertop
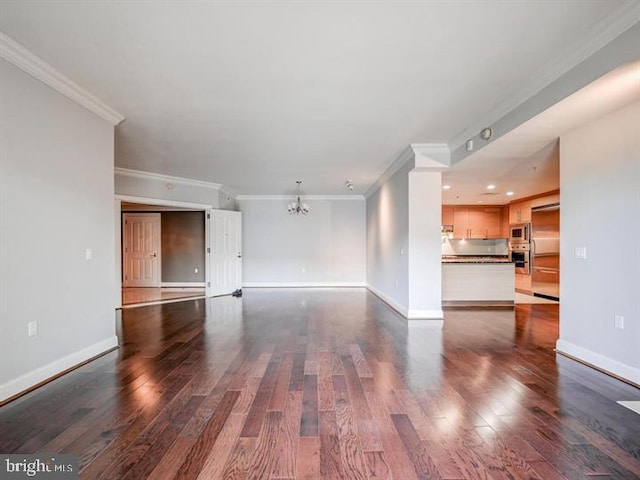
x,y
470,259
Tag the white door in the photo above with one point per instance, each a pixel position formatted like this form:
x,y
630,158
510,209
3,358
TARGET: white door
x,y
224,244
141,249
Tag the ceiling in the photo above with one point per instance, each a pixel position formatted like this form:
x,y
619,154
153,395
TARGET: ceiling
x,y
525,161
256,95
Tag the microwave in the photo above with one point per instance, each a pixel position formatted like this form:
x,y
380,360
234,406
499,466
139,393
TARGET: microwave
x,y
520,233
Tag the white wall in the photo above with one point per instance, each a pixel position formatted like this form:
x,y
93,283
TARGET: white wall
x,y
161,187
387,240
324,248
600,210
56,201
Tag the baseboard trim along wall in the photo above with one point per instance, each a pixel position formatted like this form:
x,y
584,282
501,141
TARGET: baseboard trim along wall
x,y
389,301
598,361
302,284
425,315
40,376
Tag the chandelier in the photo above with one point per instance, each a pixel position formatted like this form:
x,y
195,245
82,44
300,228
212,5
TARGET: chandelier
x,y
298,208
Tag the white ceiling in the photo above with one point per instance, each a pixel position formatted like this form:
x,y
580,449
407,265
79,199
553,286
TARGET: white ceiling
x,y
526,160
255,95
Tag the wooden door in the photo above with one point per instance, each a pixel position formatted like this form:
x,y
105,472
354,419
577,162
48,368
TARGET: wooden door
x,y
225,252
141,249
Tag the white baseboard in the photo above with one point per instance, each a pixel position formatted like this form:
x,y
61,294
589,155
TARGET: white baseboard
x,y
183,285
389,301
302,284
599,361
30,379
426,315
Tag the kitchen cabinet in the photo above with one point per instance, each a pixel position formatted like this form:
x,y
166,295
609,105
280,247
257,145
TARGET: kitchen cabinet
x,y
475,222
447,215
520,212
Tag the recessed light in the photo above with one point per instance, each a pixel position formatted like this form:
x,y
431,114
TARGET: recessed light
x,y
491,187
509,194
446,187
480,201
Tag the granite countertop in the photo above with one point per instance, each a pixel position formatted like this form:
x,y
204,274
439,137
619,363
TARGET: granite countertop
x,y
471,259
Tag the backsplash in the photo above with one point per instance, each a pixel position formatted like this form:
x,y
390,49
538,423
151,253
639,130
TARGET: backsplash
x,y
475,247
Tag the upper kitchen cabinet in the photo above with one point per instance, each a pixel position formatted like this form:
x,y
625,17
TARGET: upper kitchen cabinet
x,y
520,212
474,222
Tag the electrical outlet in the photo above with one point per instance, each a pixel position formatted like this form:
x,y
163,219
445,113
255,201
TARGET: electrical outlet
x,y
618,321
88,254
581,252
33,328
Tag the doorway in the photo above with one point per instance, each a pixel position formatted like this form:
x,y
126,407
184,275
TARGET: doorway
x,y
218,273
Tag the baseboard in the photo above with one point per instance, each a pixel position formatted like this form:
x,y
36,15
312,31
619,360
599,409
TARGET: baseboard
x,y
35,378
425,315
302,284
183,285
389,301
599,362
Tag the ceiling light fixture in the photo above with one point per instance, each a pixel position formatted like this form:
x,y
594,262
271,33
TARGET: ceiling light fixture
x,y
509,193
298,208
491,187
446,187
486,133
349,184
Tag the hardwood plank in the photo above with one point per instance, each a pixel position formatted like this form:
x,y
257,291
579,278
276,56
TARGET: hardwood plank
x,y
422,462
260,403
325,382
263,456
330,456
308,459
297,372
309,419
352,460
198,454
216,461
280,389
377,466
239,462
284,465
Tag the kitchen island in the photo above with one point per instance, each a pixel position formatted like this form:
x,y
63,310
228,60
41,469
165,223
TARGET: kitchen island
x,y
477,281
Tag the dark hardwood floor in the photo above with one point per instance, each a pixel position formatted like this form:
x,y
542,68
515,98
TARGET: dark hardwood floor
x,y
325,384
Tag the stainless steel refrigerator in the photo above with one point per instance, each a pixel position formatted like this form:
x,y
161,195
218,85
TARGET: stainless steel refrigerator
x,y
545,251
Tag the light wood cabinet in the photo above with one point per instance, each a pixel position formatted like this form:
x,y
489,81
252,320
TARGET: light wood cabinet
x,y
447,215
474,222
520,212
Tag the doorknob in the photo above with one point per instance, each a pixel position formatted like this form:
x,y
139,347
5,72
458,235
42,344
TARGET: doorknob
x,y
154,254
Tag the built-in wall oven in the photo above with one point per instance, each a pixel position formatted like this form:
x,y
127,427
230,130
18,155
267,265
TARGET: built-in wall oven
x,y
520,254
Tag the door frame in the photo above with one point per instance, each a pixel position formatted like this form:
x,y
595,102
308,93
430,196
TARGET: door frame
x,y
158,202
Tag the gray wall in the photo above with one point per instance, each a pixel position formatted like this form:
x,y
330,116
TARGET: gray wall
x,y
387,239
56,201
600,198
326,247
182,246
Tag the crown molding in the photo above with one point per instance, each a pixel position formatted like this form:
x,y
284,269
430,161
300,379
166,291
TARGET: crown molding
x,y
423,155
16,54
431,155
407,155
302,197
126,172
623,18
